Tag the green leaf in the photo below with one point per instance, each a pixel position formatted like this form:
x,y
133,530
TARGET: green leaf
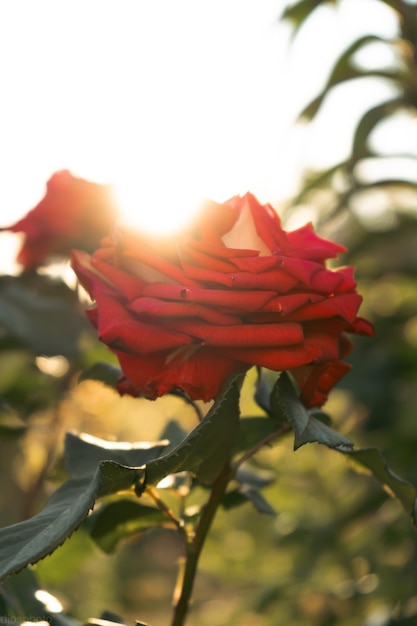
x,y
255,497
20,601
316,180
345,70
372,462
122,519
306,427
232,499
102,371
263,390
97,468
112,617
407,22
298,12
253,430
369,120
279,391
83,453
205,450
17,594
100,621
245,475
245,494
250,483
44,318
174,433
31,540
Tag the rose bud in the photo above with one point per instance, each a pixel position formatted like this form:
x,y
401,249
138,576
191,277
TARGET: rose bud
x,y
74,213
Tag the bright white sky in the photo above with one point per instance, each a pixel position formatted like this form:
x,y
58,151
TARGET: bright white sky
x,y
172,100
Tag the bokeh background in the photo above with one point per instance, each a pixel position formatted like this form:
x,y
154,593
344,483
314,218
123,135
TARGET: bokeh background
x,y
312,106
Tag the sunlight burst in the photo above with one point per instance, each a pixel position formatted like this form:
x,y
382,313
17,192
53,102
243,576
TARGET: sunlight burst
x,y
161,207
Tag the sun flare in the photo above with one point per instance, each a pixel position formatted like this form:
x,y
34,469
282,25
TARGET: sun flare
x,y
159,208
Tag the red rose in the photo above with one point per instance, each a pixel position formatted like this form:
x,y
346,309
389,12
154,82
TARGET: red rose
x,y
232,291
74,213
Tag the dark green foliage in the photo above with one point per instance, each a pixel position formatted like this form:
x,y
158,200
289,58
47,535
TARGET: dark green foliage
x,y
84,453
31,540
95,471
208,447
104,372
42,315
372,460
19,603
306,427
121,519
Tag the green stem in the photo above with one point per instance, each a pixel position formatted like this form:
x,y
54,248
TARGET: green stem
x,y
266,441
153,494
194,546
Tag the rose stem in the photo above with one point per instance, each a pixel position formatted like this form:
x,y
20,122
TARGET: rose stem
x,y
265,442
194,546
152,493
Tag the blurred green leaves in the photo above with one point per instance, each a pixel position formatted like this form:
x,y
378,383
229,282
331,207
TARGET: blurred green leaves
x,y
307,428
100,468
298,12
346,69
22,599
364,169
40,314
95,471
104,372
372,461
119,520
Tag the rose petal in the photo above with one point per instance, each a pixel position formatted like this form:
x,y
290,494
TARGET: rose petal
x,y
267,224
348,282
244,234
277,359
119,329
238,300
345,306
327,346
317,381
256,335
88,276
258,264
276,280
149,266
218,249
201,376
153,307
305,243
291,302
215,220
325,281
130,286
362,327
193,256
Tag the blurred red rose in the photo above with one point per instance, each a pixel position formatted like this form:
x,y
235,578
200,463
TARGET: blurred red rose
x,y
74,213
232,291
